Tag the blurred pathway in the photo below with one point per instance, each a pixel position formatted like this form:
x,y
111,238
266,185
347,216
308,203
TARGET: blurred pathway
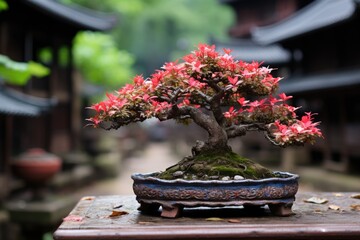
x,y
156,157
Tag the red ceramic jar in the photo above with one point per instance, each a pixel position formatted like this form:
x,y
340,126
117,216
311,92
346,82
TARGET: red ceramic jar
x,y
36,166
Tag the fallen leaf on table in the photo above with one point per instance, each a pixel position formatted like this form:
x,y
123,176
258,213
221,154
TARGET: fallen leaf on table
x,y
357,196
334,207
88,198
355,207
234,221
118,213
73,218
214,219
338,194
316,200
318,211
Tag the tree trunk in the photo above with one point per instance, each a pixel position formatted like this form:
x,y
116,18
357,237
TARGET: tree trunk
x,y
217,139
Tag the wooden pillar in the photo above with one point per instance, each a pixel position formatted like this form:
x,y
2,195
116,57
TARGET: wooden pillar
x,y
326,132
28,54
75,102
9,140
4,38
344,158
5,158
54,76
344,162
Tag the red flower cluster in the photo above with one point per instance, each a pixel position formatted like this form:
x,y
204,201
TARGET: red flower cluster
x,y
298,132
212,81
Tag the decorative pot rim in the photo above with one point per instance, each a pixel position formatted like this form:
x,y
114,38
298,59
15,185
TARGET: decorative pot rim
x,y
149,177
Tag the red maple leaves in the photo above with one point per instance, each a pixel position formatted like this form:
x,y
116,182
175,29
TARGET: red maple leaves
x,y
209,80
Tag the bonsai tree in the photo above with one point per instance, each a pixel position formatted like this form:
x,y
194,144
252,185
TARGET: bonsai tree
x,y
226,97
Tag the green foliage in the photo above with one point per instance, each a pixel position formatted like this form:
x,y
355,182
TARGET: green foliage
x,y
3,5
164,30
45,56
100,61
18,73
156,31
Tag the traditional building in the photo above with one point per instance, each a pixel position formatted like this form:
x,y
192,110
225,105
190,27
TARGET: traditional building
x,y
25,28
250,14
318,42
325,37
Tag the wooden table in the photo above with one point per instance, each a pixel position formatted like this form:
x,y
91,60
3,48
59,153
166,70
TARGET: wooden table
x,y
91,219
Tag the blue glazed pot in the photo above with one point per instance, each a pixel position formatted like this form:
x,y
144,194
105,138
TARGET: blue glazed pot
x,y
278,191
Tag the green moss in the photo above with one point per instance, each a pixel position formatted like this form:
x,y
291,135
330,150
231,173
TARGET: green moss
x,y
218,163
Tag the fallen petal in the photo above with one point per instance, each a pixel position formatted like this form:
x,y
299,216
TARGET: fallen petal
x,y
318,211
334,207
73,218
234,221
355,207
316,200
338,194
87,198
145,223
214,219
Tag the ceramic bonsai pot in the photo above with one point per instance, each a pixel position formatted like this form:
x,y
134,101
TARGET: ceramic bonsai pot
x,y
173,195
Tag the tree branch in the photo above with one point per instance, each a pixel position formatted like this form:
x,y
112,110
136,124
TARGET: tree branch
x,y
172,98
206,97
217,135
268,137
240,130
215,100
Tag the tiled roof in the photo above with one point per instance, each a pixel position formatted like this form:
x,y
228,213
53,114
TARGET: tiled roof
x,y
247,50
317,15
15,103
79,16
318,82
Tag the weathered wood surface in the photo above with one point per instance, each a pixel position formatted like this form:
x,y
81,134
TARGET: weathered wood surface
x,y
90,219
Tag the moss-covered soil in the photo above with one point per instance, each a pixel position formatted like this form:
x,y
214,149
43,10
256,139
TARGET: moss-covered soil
x,y
219,165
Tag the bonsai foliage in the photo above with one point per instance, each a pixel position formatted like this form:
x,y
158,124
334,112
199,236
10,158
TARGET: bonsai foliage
x,y
226,97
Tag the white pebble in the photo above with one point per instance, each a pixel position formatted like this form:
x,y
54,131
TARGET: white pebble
x,y
213,177
178,173
238,177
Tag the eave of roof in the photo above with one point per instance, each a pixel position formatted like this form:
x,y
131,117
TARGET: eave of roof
x,y
317,15
15,103
247,50
306,84
76,15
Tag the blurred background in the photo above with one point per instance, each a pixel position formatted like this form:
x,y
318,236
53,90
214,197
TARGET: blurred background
x,y
59,56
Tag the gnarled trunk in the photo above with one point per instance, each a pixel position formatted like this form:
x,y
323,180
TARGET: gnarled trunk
x,y
217,140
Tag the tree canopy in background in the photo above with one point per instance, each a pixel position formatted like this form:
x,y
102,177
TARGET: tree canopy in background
x,y
156,31
3,5
100,61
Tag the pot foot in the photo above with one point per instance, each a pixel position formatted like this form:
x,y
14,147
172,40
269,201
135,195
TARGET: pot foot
x,y
171,212
282,209
149,207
